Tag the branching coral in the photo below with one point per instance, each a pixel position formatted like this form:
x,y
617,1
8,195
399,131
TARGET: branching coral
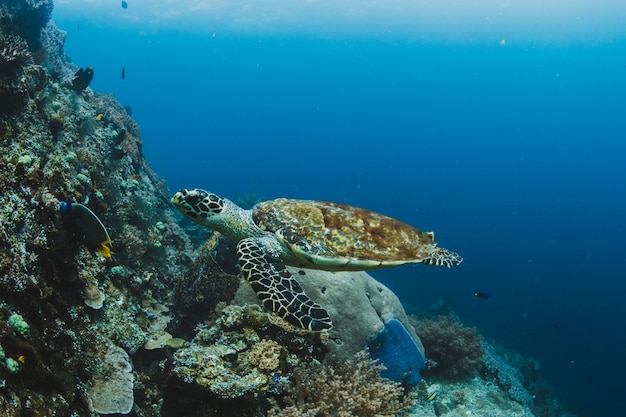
x,y
13,52
352,388
14,55
18,83
454,350
53,40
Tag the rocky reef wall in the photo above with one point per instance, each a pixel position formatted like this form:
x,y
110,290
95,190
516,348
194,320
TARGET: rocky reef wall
x,y
72,316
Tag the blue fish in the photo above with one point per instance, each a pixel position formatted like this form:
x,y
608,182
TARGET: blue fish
x,y
124,5
482,295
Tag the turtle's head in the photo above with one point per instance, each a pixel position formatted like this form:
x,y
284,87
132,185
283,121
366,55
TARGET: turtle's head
x,y
216,213
200,206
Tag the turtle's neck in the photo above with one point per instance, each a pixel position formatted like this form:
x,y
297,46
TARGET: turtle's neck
x,y
236,223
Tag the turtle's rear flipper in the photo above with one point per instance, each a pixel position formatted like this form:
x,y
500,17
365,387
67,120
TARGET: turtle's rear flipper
x,y
443,257
277,289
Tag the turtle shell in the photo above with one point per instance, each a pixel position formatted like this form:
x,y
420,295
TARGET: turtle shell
x,y
340,237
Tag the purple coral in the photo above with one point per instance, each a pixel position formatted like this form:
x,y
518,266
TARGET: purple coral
x,y
454,351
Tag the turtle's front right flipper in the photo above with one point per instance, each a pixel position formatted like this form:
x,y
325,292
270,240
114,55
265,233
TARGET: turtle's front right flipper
x,y
277,289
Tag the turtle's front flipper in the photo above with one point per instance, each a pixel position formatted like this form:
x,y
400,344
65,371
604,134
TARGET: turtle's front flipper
x,y
443,257
277,289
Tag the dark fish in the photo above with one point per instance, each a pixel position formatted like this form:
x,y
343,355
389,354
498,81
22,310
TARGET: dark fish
x,y
124,5
120,136
86,227
123,72
482,295
82,78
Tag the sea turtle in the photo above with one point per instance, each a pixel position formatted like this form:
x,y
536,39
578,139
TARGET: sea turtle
x,y
308,234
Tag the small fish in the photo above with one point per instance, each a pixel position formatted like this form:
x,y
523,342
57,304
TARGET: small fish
x,y
431,396
123,72
124,5
274,381
275,376
482,295
99,116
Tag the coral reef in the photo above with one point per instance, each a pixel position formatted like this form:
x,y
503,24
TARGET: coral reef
x,y
212,278
474,397
60,67
25,18
13,53
468,376
452,350
20,50
111,391
236,363
64,307
20,79
347,388
510,378
519,379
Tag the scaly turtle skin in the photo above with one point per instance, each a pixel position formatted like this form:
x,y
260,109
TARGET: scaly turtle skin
x,y
308,234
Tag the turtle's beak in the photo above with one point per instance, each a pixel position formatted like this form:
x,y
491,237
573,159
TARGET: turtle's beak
x,y
182,204
176,198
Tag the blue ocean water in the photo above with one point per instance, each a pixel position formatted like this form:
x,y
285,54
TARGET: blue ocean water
x,y
512,153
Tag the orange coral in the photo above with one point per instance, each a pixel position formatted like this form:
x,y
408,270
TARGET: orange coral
x,y
265,355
